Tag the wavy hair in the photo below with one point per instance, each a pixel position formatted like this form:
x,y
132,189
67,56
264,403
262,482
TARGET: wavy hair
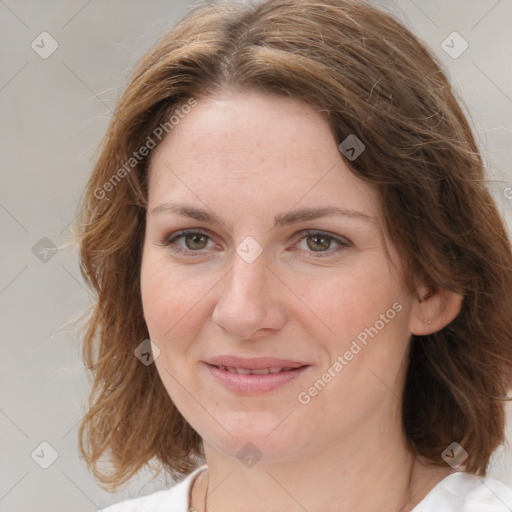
x,y
367,75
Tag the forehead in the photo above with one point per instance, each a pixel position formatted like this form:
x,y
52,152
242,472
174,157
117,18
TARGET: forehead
x,y
254,147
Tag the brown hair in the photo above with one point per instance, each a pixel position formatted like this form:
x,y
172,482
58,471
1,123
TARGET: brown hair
x,y
368,76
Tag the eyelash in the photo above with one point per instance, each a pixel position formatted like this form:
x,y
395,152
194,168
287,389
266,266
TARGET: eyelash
x,y
343,243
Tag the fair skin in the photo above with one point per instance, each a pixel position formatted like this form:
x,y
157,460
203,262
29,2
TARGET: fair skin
x,y
246,158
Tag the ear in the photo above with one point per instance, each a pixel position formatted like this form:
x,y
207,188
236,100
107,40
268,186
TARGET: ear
x,y
435,309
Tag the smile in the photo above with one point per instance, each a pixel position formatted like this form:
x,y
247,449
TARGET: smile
x,y
254,381
260,371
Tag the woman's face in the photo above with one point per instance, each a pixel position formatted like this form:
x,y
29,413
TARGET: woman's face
x,y
284,265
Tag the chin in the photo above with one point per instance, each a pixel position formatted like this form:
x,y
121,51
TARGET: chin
x,y
257,440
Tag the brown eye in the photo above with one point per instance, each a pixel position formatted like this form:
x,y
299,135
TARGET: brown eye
x,y
318,242
190,243
195,241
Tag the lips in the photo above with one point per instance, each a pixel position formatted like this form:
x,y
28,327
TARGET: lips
x,y
254,375
254,363
259,371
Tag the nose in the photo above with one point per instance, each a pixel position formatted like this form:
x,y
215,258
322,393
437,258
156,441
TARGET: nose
x,y
249,305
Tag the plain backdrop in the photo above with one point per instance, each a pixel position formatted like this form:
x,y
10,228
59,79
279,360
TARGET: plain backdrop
x,y
54,111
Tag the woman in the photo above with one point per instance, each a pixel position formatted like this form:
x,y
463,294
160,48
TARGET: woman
x,y
290,205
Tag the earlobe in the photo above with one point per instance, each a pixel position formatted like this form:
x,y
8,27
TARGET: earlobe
x,y
435,309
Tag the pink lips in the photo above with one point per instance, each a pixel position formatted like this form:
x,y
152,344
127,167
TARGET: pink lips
x,y
254,375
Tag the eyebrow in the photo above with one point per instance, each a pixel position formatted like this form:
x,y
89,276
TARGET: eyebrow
x,y
305,214
280,220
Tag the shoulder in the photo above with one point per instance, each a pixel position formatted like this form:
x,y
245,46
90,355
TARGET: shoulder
x,y
175,499
464,492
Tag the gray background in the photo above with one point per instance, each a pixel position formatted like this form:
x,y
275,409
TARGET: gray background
x,y
54,112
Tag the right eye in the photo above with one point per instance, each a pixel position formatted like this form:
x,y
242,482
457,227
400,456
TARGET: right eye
x,y
189,242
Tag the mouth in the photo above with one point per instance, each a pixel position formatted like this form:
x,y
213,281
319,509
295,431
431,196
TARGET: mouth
x,y
254,376
259,371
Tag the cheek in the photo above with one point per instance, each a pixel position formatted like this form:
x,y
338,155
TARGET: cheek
x,y
348,301
170,297
367,311
374,329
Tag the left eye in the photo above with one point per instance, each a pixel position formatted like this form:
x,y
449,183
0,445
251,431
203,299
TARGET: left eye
x,y
318,242
195,241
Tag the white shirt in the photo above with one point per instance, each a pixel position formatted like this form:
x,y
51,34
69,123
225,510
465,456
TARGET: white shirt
x,y
458,492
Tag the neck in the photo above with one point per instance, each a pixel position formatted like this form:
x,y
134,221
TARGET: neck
x,y
367,473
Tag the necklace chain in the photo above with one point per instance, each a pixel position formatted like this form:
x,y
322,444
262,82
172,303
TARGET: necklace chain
x,y
192,508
